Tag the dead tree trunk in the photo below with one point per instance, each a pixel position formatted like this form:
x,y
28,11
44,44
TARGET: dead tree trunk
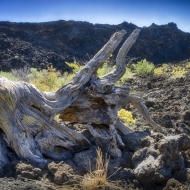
x,y
27,115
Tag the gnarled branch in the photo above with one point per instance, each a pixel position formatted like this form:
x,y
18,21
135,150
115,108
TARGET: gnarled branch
x,y
27,115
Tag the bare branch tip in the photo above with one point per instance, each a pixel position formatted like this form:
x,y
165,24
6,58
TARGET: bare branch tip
x,y
137,31
123,32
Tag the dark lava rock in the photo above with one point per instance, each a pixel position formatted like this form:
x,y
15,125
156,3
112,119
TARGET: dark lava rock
x,y
160,160
186,116
166,121
123,174
62,173
172,184
41,44
182,128
28,171
86,160
149,104
136,140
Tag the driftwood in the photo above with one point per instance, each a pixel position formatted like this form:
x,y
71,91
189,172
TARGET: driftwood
x,y
27,114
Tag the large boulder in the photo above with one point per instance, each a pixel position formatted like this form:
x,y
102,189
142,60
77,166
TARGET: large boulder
x,y
162,159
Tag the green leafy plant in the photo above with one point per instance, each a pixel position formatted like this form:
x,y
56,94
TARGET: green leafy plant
x,y
49,79
74,66
143,67
9,76
108,66
46,79
105,69
128,74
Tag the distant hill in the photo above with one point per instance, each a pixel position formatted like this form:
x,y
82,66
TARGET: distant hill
x,y
42,44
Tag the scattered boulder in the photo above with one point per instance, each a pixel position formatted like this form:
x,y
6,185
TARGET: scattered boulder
x,y
86,160
186,117
166,121
172,184
28,171
149,103
137,140
182,128
62,173
157,162
123,174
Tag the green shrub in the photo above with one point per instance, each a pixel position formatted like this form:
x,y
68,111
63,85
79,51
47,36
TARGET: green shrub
x,y
128,73
9,76
108,66
143,67
33,74
47,79
105,69
74,66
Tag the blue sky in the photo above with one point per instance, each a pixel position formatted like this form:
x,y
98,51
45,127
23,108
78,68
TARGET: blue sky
x,y
138,12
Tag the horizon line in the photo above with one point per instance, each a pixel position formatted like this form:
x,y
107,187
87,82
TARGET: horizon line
x,y
38,22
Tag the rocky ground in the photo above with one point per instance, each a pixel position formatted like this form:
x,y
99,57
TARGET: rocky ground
x,y
150,160
42,44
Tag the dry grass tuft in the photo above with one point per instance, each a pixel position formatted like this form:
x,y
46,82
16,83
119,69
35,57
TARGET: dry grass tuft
x,y
95,180
98,178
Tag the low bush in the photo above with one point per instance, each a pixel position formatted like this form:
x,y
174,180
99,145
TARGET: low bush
x,y
128,74
165,69
143,67
187,66
158,71
105,69
46,79
178,72
75,67
9,76
109,66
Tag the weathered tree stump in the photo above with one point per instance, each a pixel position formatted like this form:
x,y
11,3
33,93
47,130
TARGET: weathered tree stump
x,y
27,115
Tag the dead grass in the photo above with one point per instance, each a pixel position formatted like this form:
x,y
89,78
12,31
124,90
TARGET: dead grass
x,y
98,178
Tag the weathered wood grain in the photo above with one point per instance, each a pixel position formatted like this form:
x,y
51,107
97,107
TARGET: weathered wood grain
x,y
27,114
